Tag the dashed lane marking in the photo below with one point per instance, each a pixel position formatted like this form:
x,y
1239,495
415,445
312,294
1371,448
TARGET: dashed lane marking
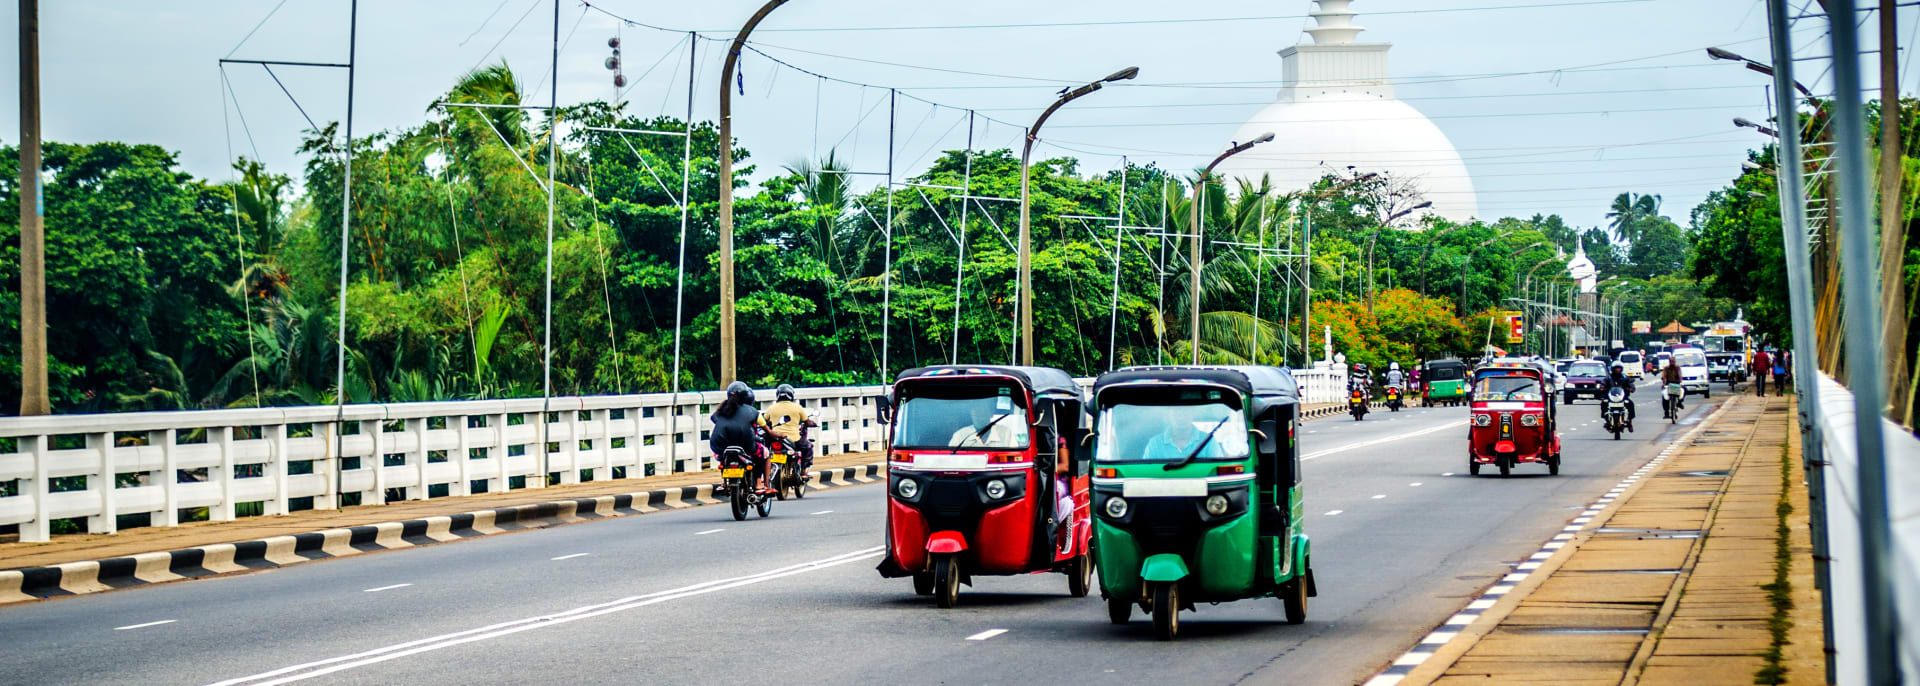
x,y
709,531
385,588
569,557
143,626
1377,497
823,512
1331,513
984,635
1415,484
1446,474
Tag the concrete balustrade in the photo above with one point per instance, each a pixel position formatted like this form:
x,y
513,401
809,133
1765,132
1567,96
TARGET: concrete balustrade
x,y
165,464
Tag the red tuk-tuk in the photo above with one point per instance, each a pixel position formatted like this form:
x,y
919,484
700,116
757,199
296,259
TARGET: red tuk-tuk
x,y
1512,417
987,475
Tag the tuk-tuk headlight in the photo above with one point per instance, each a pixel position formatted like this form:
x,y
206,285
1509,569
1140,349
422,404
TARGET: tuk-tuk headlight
x,y
908,489
1483,420
1529,420
1116,507
1217,505
996,489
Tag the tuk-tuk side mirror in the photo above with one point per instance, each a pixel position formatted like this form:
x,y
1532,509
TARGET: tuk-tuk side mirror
x,y
1267,431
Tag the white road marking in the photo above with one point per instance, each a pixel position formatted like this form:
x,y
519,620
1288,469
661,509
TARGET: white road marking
x,y
317,668
569,557
823,512
984,635
1415,484
709,531
1377,441
1382,495
1446,474
1331,513
143,626
385,588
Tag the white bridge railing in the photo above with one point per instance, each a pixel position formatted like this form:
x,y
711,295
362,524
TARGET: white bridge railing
x,y
1846,596
166,465
277,460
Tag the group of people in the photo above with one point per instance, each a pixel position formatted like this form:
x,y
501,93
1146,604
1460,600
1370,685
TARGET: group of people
x,y
1771,362
739,423
1361,378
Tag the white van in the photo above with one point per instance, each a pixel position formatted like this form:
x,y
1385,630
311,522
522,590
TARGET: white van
x,y
1693,370
1633,364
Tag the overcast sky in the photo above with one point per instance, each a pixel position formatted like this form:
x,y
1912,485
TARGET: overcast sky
x,y
1616,94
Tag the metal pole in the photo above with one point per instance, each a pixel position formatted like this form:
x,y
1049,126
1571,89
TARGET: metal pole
x,y
33,236
1113,316
960,264
1306,291
1860,284
1793,227
1193,263
1259,267
346,221
886,277
1160,337
1893,221
553,152
680,282
729,367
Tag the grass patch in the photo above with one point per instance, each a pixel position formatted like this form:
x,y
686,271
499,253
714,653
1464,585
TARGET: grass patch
x,y
1780,592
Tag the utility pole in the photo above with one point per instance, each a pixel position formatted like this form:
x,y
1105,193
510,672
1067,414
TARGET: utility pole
x,y
729,367
1193,263
1893,220
33,233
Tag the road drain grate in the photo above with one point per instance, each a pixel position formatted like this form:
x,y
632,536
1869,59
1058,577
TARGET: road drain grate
x,y
1703,473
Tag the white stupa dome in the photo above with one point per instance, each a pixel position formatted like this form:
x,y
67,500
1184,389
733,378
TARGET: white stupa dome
x,y
1337,109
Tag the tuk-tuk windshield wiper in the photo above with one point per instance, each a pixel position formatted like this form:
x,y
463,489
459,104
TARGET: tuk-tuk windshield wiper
x,y
989,427
1196,449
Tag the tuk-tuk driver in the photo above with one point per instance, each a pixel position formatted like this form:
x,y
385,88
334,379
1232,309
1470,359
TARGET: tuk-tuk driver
x,y
990,426
1184,435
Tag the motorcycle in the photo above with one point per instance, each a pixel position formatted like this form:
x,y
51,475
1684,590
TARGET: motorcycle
x,y
1614,412
1357,403
1393,398
792,473
741,479
1673,400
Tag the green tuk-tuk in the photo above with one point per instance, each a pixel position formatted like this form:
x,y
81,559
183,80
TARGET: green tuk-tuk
x,y
1446,382
1196,491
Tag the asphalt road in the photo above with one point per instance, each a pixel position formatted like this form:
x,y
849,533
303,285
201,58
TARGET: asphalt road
x,y
1401,536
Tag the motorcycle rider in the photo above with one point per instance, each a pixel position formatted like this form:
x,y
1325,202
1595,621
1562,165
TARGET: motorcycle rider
x,y
1670,379
1361,379
1394,376
736,424
1617,378
785,419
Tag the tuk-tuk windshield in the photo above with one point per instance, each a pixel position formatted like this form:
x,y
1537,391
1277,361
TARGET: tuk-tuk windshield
x,y
1446,372
1169,433
1498,388
968,416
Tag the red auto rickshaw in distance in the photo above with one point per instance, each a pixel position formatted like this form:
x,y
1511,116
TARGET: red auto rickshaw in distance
x,y
988,474
1512,418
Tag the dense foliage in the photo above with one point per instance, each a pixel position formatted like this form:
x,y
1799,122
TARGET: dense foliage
x,y
171,292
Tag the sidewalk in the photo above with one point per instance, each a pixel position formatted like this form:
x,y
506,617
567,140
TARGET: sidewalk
x,y
1669,585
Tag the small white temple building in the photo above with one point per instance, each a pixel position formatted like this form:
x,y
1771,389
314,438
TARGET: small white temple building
x,y
1337,109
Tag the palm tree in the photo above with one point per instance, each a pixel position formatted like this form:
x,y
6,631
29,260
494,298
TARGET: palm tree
x,y
1622,215
262,218
827,194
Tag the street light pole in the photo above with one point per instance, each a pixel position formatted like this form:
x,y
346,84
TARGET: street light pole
x,y
1376,238
33,236
729,367
1193,264
1025,303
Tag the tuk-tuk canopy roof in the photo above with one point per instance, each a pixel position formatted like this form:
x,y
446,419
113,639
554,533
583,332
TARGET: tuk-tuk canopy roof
x,y
1266,386
1042,381
1505,365
1444,362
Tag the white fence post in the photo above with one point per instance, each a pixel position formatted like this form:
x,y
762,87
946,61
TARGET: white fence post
x,y
222,475
40,529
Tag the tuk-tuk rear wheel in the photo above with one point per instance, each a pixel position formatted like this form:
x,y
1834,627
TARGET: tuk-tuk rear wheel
x,y
1080,575
1294,596
1166,610
946,581
1553,464
923,584
1119,610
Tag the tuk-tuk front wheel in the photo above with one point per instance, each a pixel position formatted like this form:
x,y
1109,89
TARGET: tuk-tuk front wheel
x,y
1506,466
1166,610
1080,575
1294,595
1119,610
946,581
1473,467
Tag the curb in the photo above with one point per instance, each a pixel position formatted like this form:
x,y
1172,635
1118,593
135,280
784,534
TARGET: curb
x,y
1438,649
1341,409
93,576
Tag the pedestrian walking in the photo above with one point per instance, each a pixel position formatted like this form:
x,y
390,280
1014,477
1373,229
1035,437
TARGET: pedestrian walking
x,y
1762,366
1782,371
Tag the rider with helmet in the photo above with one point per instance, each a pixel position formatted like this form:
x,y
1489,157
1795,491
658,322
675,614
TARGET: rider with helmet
x,y
1394,376
1617,378
1361,379
736,424
785,418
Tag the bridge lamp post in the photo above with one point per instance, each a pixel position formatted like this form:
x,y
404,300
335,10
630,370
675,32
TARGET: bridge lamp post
x,y
1025,304
1193,266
